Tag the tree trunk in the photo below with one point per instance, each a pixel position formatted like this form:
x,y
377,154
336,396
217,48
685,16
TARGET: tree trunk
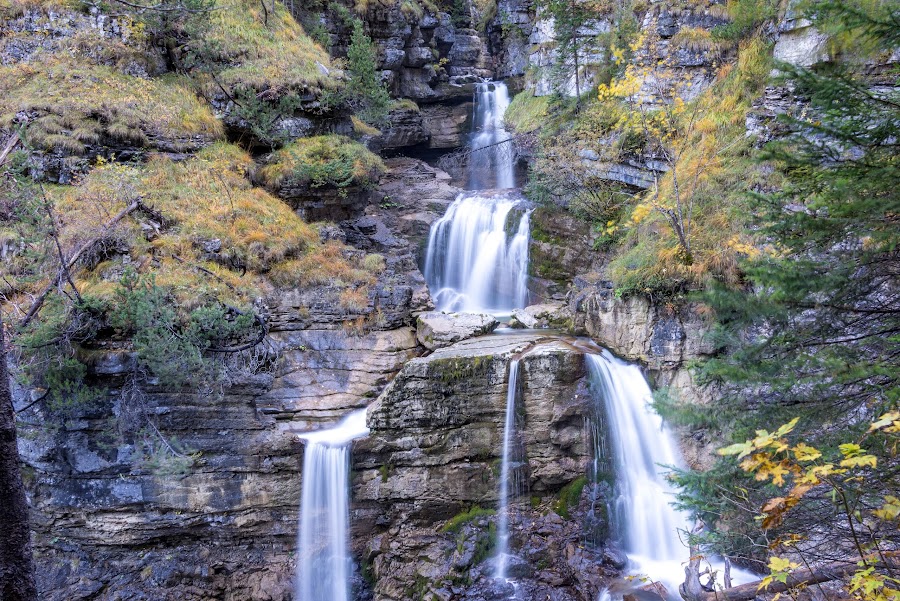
x,y
16,563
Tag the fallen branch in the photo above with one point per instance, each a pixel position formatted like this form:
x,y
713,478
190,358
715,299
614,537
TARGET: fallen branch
x,y
798,578
8,148
64,269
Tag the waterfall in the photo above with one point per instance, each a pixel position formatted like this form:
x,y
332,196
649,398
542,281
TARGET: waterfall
x,y
477,257
510,482
472,264
324,563
641,512
491,163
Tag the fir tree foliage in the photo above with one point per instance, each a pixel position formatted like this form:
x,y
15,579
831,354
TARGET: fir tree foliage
x,y
816,335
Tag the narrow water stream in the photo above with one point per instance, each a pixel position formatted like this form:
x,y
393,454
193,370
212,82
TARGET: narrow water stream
x,y
508,476
324,564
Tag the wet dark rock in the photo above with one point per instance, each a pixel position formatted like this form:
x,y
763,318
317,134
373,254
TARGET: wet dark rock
x,y
615,558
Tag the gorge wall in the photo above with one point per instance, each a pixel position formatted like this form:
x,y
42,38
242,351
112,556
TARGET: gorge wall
x,y
110,526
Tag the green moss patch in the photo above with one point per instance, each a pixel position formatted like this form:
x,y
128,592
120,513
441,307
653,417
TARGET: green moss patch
x,y
322,161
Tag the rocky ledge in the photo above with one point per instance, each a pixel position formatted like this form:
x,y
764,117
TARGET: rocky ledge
x,y
426,480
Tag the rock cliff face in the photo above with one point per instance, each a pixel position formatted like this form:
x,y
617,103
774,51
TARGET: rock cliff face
x,y
113,521
433,454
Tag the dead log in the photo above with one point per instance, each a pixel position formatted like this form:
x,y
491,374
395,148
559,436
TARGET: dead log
x,y
798,578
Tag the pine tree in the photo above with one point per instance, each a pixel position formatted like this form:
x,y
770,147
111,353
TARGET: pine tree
x,y
816,334
369,96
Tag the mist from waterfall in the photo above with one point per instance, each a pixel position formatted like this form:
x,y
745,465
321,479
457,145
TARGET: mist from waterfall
x,y
477,257
324,564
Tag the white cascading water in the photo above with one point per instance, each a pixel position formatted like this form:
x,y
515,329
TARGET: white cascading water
x,y
494,165
508,477
641,511
472,263
477,258
323,563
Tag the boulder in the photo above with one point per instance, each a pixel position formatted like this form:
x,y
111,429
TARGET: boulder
x,y
435,329
547,315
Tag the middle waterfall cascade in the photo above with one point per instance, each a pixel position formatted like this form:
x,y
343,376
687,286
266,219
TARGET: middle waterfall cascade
x,y
477,257
641,512
324,563
472,264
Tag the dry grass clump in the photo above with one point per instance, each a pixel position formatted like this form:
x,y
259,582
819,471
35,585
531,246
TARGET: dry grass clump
x,y
327,265
71,103
208,234
266,56
322,161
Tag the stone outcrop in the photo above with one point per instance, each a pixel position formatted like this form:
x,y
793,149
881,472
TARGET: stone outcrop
x,y
432,58
799,43
662,337
432,454
412,196
545,315
436,330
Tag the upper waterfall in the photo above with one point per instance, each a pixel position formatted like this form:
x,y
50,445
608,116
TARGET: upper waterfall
x,y
477,257
491,163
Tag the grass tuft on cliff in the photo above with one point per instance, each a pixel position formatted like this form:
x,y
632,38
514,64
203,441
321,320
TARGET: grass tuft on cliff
x,y
265,52
527,112
322,161
70,102
213,235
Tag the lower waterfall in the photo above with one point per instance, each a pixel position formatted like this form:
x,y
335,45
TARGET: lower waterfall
x,y
509,480
642,516
323,563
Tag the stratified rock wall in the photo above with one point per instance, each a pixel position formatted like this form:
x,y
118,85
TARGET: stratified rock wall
x,y
434,452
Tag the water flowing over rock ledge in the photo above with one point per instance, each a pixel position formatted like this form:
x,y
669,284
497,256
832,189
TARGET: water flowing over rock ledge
x,y
433,452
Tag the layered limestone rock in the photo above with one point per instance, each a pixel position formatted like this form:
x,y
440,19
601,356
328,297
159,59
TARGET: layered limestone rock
x,y
156,494
412,196
432,58
433,453
436,330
